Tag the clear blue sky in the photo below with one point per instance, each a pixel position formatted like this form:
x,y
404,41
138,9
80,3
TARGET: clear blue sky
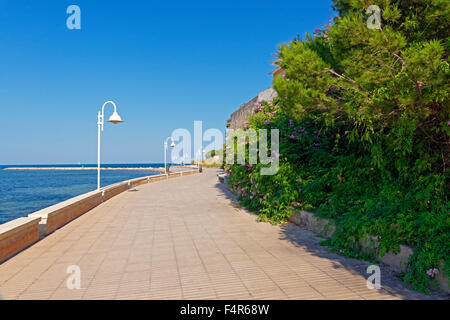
x,y
164,63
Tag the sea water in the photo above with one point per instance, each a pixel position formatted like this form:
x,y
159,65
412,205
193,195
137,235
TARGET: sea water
x,y
26,191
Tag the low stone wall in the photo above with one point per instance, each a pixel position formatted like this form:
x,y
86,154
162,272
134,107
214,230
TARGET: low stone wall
x,y
59,214
398,261
317,225
16,235
182,173
114,190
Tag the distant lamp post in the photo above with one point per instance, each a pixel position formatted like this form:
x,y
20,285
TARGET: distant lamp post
x,y
199,156
172,145
115,118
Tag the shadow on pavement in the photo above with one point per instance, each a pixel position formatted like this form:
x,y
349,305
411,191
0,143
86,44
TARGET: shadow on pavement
x,y
308,241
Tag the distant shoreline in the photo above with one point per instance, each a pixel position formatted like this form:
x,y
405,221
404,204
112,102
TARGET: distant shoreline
x,y
83,168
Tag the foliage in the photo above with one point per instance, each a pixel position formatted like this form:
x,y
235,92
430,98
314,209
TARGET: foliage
x,y
365,132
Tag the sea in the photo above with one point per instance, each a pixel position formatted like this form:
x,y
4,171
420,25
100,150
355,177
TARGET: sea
x,y
26,191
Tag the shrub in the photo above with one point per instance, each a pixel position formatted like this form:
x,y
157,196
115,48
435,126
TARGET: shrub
x,y
365,133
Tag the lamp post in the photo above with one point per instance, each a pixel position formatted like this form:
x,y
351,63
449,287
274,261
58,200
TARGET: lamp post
x,y
115,118
165,152
199,156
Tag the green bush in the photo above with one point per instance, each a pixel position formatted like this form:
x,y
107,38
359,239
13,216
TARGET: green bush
x,y
365,133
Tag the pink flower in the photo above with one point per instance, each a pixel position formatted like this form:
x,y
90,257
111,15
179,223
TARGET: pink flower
x,y
432,272
267,122
292,136
361,111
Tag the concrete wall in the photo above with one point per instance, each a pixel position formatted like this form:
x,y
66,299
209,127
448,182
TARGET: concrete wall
x,y
318,225
242,114
398,261
16,235
58,215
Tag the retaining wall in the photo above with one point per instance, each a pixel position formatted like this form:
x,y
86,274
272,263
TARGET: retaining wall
x,y
18,234
398,261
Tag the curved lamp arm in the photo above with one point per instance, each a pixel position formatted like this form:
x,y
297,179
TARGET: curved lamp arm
x,y
101,116
167,139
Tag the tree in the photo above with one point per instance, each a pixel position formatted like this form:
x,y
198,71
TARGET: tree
x,y
364,118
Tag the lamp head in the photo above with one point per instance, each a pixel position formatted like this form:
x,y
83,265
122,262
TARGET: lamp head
x,y
115,118
172,144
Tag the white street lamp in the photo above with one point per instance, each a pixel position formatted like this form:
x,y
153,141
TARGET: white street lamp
x,y
199,156
165,152
115,118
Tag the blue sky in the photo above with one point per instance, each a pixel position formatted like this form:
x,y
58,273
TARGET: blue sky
x,y
164,63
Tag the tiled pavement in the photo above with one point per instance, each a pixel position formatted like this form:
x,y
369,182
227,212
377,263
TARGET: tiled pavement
x,y
186,239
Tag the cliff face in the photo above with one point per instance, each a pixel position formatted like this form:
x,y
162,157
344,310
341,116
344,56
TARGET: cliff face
x,y
239,117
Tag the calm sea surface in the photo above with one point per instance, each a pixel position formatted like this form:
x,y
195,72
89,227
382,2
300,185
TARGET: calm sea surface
x,y
23,192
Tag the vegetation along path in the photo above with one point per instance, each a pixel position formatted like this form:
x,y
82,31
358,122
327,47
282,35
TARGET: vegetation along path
x,y
186,239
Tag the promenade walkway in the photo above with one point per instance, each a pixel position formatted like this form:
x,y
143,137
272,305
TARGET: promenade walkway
x,y
186,239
